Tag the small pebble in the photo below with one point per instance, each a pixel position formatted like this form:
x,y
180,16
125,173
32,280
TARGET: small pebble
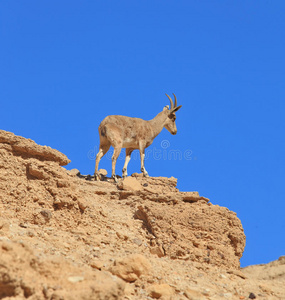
x,y
251,296
75,279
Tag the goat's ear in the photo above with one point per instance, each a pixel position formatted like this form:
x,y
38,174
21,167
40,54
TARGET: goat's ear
x,y
176,108
166,107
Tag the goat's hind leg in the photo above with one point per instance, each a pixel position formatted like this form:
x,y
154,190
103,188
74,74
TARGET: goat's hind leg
x,y
117,151
102,151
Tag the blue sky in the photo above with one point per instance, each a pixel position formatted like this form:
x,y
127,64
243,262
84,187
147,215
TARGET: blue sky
x,y
65,65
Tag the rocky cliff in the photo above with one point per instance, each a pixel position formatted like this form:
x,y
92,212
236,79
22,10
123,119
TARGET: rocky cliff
x,y
64,236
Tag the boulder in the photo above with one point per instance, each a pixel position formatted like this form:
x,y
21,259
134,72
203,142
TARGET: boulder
x,y
161,291
130,268
129,184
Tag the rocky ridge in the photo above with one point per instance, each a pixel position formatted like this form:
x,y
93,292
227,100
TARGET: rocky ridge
x,y
65,237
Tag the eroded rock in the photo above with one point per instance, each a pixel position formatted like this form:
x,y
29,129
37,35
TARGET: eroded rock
x,y
131,267
161,291
77,227
22,275
200,232
129,184
28,148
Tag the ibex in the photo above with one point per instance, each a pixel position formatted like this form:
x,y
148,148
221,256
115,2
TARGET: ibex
x,y
133,133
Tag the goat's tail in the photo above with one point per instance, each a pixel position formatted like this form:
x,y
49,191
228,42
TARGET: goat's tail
x,y
102,131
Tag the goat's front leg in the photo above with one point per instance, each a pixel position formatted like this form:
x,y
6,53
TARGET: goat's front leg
x,y
143,170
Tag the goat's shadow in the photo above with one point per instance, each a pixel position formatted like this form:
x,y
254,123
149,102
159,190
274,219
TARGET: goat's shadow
x,y
92,177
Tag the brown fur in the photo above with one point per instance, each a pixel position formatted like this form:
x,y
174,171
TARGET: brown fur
x,y
132,133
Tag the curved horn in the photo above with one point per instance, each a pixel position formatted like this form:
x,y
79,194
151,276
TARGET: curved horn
x,y
175,103
171,102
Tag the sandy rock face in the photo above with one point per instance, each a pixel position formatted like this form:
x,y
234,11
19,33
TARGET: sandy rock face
x,y
64,237
205,233
28,148
272,270
24,275
32,180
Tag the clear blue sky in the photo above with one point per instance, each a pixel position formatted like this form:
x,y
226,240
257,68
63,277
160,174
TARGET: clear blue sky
x,y
65,65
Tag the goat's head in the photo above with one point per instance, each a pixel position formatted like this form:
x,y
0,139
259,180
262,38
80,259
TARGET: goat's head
x,y
170,121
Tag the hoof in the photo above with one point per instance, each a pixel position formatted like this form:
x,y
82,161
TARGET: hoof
x,y
97,177
115,178
124,173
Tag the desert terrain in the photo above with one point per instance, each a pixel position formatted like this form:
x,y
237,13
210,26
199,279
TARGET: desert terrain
x,y
65,236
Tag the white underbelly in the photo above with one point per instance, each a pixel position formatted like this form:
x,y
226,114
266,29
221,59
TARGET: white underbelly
x,y
130,143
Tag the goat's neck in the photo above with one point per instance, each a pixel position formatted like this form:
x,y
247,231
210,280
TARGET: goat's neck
x,y
157,123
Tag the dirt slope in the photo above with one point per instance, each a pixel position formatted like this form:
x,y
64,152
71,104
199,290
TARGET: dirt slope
x,y
65,237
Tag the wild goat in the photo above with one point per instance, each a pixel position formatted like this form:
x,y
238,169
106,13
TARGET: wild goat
x,y
133,133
